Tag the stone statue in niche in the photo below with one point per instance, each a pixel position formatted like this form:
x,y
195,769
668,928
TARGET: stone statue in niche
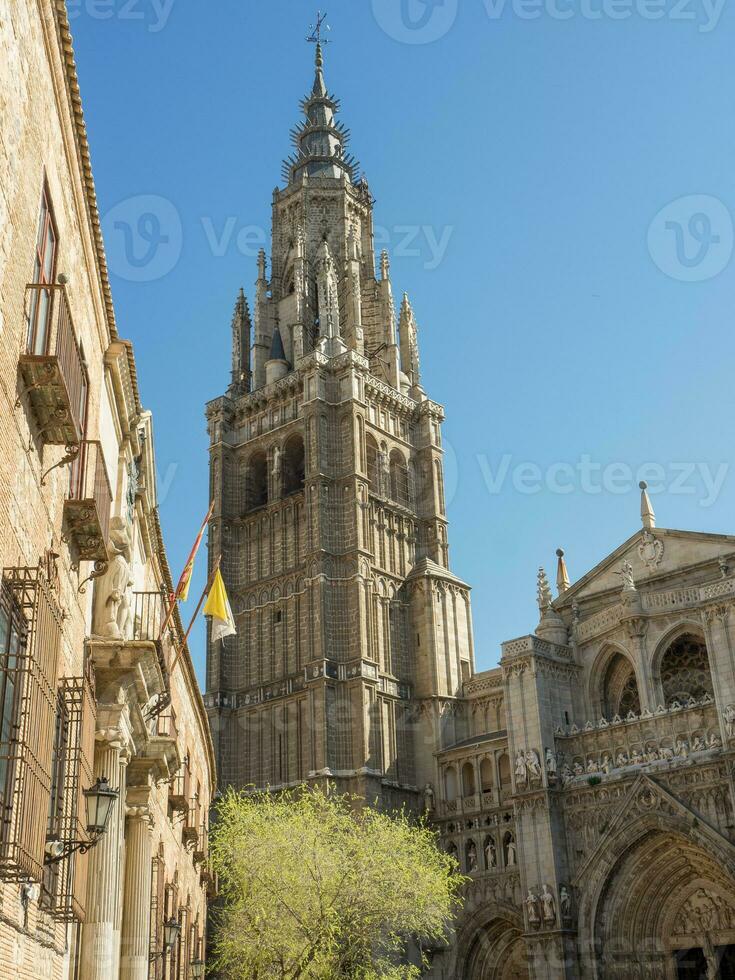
x,y
491,854
520,767
729,716
548,906
113,613
533,765
472,857
429,798
532,909
565,903
511,856
551,764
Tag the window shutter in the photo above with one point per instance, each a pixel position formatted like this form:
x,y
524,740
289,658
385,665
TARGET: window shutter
x,y
22,848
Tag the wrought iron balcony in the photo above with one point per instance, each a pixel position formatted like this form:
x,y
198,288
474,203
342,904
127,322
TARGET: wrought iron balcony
x,y
190,833
178,793
87,506
52,366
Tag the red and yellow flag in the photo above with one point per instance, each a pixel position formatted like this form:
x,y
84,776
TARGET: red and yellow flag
x,y
182,589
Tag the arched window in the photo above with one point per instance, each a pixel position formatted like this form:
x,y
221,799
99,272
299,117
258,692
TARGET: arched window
x,y
486,775
293,465
371,453
468,779
450,784
620,688
504,770
398,478
685,670
256,491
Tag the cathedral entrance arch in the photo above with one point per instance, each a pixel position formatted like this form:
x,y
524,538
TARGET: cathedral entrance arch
x,y
665,910
493,950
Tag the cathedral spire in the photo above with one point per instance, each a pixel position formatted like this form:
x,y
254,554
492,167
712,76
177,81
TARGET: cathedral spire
x,y
241,328
319,140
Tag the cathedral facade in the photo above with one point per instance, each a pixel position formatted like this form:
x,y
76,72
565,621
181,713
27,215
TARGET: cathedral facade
x,y
585,785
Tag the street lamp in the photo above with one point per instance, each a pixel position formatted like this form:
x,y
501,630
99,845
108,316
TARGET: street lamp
x,y
171,930
196,969
98,802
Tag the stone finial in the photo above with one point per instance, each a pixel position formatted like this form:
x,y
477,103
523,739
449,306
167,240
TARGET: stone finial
x,y
384,265
562,575
543,591
648,516
261,264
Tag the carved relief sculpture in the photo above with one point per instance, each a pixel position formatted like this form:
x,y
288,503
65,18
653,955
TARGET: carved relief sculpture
x,y
112,596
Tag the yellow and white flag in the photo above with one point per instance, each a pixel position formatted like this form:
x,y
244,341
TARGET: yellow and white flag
x,y
218,607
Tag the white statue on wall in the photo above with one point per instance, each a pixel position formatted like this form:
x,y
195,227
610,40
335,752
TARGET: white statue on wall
x,y
532,908
626,574
548,906
533,764
113,614
429,799
551,764
729,716
472,857
491,854
520,767
511,857
565,903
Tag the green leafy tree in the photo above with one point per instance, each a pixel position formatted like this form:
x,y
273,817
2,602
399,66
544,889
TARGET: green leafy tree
x,y
316,886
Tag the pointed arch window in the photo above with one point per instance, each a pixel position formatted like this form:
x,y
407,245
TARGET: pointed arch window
x,y
293,465
371,454
399,478
256,481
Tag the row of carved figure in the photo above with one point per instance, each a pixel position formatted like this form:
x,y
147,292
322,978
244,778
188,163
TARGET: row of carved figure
x,y
490,850
638,755
692,702
541,908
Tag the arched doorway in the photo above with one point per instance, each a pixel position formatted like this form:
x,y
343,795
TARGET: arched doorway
x,y
665,911
496,951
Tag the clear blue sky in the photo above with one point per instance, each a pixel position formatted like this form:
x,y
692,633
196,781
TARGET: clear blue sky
x,y
564,316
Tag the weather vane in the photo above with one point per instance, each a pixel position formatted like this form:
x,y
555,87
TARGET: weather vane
x,y
316,29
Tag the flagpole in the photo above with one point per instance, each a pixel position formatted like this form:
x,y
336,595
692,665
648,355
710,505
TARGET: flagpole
x,y
192,553
207,587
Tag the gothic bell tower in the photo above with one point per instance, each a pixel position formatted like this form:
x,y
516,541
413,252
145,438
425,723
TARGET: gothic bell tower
x,y
353,637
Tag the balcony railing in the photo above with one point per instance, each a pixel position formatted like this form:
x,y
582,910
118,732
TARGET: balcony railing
x,y
149,613
87,506
178,794
52,366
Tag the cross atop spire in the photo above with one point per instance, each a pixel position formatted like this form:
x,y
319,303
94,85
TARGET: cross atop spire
x,y
316,32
